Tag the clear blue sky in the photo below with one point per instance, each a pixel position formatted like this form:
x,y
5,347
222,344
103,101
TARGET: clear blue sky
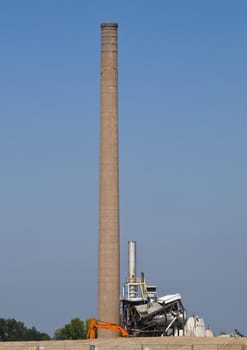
x,y
183,154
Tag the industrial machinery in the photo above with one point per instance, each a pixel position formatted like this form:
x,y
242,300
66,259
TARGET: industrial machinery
x,y
145,314
94,324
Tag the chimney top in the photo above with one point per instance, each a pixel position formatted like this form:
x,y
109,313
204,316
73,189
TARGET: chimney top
x,y
109,24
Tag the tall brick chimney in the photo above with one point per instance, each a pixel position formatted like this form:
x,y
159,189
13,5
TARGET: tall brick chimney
x,y
108,245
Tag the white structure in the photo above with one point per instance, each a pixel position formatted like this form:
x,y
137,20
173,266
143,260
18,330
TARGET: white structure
x,y
195,326
145,314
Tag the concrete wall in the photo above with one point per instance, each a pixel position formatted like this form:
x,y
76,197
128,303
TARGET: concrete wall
x,y
163,343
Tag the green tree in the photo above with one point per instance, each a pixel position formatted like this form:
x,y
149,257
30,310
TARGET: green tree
x,y
73,330
12,330
34,334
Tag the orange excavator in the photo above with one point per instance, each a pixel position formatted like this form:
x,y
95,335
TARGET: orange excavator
x,y
94,324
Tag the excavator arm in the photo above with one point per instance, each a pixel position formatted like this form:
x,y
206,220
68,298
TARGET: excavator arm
x,y
94,324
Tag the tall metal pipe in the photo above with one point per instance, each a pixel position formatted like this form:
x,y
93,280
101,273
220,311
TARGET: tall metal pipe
x,y
132,269
132,261
108,245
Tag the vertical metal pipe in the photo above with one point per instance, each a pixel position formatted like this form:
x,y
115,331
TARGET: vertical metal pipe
x,y
132,269
132,261
108,245
142,277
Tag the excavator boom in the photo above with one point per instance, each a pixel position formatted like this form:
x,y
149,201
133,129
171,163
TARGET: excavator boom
x,y
94,324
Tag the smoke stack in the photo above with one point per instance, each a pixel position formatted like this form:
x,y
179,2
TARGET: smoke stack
x,y
132,269
108,253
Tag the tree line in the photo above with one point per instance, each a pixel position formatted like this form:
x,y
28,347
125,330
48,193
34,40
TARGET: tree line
x,y
12,330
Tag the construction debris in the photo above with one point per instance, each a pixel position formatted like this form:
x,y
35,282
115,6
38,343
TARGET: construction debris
x,y
145,314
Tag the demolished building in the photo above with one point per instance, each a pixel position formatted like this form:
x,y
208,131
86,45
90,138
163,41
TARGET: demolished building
x,y
143,313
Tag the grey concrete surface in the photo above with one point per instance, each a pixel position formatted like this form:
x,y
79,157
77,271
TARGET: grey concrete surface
x,y
162,343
